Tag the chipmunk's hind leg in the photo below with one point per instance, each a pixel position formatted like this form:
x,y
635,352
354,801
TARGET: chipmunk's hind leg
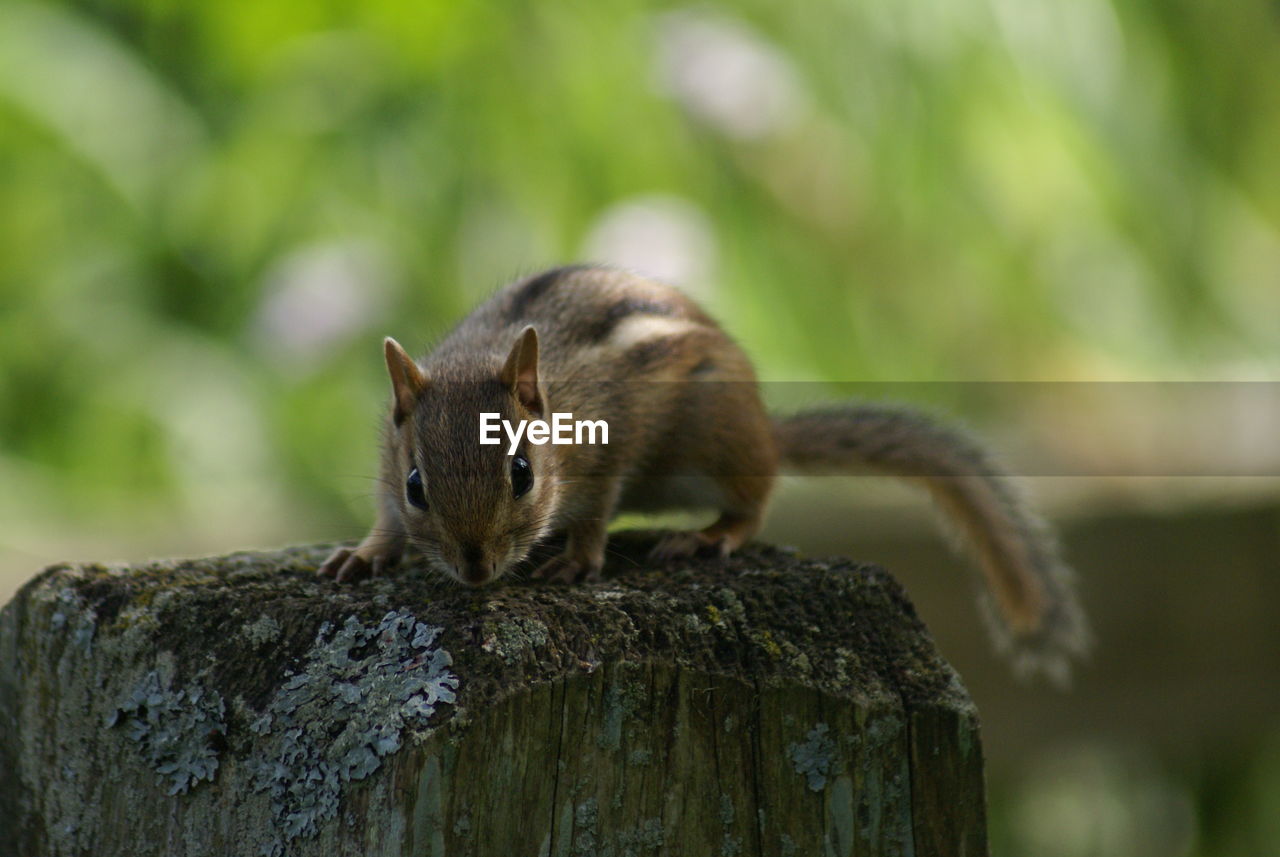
x,y
742,469
729,532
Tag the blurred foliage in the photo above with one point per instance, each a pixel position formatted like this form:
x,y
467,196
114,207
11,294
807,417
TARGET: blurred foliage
x,y
1105,799
213,211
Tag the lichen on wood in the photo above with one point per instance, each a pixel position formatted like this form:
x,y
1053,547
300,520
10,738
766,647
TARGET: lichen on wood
x,y
766,704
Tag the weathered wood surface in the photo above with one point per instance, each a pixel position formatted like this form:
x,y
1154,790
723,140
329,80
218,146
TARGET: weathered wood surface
x,y
766,705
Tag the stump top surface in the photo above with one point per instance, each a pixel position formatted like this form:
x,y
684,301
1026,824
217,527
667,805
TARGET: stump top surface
x,y
765,615
239,704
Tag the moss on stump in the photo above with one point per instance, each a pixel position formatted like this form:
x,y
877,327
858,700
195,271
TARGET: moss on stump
x,y
764,705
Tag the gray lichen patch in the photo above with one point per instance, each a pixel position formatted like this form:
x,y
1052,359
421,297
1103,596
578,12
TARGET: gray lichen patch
x,y
514,639
71,616
332,723
646,837
883,731
621,701
815,759
726,810
585,819
730,845
264,629
178,731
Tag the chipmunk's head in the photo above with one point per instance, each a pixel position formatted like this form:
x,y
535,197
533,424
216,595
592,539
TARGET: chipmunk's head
x,y
473,509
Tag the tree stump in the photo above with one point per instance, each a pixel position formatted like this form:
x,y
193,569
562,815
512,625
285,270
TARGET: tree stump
x,y
236,705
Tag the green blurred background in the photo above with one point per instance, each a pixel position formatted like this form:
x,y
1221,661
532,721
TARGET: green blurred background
x,y
211,213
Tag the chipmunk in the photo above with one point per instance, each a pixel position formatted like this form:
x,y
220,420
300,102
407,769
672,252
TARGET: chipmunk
x,y
687,429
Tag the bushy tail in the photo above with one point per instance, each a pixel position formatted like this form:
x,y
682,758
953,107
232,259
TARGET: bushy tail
x,y
1036,619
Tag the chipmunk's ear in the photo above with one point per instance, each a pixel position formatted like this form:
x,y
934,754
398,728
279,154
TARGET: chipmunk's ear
x,y
407,380
520,373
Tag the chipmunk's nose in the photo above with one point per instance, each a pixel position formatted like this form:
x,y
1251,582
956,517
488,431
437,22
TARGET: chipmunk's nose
x,y
476,568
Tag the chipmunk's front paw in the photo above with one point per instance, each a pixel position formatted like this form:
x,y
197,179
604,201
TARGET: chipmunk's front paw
x,y
348,565
566,569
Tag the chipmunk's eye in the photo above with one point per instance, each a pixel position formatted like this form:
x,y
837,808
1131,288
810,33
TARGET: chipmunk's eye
x,y
413,489
521,476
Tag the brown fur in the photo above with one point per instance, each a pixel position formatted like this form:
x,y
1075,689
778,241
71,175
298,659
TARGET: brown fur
x,y
687,429
1035,617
